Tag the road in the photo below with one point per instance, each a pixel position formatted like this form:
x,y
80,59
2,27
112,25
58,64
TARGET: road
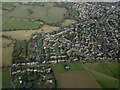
x,y
100,73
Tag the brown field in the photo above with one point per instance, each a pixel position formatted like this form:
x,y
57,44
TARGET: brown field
x,y
68,22
81,79
26,34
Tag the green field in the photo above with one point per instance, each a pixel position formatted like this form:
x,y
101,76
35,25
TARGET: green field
x,y
73,67
16,23
114,67
0,78
100,67
21,11
5,20
50,14
47,13
7,5
6,79
7,49
105,82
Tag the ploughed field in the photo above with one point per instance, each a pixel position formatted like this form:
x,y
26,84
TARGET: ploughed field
x,y
79,79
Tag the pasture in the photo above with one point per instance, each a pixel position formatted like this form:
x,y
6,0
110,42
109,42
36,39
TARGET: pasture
x,y
6,79
7,49
68,22
26,34
73,66
21,11
105,82
16,23
7,5
47,13
101,67
81,79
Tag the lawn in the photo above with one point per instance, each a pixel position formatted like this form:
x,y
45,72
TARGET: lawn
x,y
26,34
16,23
79,79
7,49
74,67
100,67
68,22
105,82
6,79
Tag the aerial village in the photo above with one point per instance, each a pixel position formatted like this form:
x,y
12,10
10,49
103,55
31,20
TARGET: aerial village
x,y
86,42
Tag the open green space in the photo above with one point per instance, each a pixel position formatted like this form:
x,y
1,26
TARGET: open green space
x,y
16,23
6,79
47,12
114,67
105,82
21,11
5,20
74,67
100,67
7,5
0,78
7,49
50,14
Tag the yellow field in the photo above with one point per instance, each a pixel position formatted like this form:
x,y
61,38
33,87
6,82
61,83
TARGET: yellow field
x,y
26,34
68,22
7,49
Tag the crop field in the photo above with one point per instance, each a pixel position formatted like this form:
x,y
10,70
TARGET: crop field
x,y
105,82
81,79
6,79
100,67
26,34
68,22
7,49
74,67
16,23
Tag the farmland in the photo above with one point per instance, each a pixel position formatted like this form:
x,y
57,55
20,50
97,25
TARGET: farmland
x,y
7,5
21,11
74,67
100,67
26,34
105,82
68,22
6,79
7,48
80,79
50,14
16,23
